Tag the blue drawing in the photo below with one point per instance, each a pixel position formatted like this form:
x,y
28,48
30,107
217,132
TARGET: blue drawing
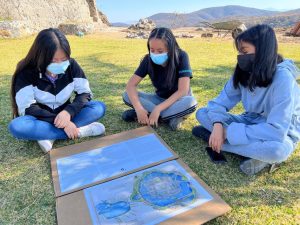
x,y
112,210
163,189
147,197
99,164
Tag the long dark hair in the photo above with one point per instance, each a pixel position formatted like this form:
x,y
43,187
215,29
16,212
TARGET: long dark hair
x,y
266,57
168,37
40,55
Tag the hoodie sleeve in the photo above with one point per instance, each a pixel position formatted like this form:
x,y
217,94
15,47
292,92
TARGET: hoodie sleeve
x,y
227,99
25,100
81,89
278,120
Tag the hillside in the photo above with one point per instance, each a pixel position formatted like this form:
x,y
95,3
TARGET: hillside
x,y
208,14
248,15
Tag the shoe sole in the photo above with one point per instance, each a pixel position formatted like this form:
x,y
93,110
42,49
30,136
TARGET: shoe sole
x,y
250,167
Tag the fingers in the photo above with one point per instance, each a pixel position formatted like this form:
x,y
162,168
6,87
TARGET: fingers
x,y
62,119
73,134
216,139
153,119
156,123
215,144
153,122
59,122
72,131
143,119
218,147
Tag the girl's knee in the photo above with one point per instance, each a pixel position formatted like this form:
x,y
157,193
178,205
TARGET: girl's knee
x,y
20,126
190,101
201,115
279,153
13,127
99,108
125,97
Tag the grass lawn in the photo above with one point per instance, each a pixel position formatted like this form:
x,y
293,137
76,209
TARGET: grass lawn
x,y
26,192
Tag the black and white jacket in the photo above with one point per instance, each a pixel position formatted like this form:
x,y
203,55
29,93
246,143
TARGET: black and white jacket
x,y
40,98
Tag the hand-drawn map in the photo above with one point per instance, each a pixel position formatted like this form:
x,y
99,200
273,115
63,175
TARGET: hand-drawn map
x,y
145,197
98,164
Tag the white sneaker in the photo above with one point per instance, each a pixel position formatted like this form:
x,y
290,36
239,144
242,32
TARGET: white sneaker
x,y
93,129
45,145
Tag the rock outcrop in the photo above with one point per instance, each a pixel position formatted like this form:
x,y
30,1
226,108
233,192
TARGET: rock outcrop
x,y
143,24
141,30
24,17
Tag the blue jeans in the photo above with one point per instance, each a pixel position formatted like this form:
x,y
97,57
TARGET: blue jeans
x,y
266,151
30,128
181,108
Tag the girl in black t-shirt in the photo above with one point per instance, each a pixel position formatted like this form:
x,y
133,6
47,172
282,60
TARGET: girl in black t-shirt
x,y
170,72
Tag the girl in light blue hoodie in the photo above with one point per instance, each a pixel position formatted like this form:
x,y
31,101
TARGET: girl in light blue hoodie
x,y
267,132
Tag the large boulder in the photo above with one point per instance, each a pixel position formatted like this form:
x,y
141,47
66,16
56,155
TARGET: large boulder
x,y
22,17
141,30
103,18
76,28
138,34
14,29
143,24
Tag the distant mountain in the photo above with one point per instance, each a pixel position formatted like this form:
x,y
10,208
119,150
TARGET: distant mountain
x,y
282,19
295,12
247,15
119,24
208,14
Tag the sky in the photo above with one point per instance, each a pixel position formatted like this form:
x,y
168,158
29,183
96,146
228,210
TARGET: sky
x,y
132,10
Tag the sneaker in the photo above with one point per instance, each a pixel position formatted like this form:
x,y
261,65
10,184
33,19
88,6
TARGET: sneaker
x,y
252,166
274,167
175,123
93,129
45,145
201,132
129,115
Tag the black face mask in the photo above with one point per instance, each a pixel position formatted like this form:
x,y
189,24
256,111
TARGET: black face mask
x,y
246,61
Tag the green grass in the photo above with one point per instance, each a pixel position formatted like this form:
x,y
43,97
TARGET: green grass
x,y
26,192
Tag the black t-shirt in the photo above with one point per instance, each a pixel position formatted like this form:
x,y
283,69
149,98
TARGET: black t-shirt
x,y
158,74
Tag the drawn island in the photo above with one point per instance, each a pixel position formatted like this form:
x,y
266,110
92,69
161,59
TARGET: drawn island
x,y
146,197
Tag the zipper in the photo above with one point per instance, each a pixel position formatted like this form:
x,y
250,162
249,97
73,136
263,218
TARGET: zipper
x,y
54,87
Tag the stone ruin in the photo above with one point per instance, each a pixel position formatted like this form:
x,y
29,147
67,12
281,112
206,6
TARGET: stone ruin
x,y
141,29
207,35
184,35
143,24
26,17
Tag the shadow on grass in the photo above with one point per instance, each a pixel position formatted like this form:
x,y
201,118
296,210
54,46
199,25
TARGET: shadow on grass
x,y
237,189
108,82
211,78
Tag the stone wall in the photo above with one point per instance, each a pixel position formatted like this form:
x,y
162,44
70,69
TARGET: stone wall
x,y
21,17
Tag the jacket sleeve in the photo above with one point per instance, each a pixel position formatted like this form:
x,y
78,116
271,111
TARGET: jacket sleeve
x,y
26,102
81,89
227,99
41,114
278,120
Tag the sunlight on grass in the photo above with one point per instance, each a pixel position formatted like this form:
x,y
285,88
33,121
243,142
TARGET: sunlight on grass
x,y
26,192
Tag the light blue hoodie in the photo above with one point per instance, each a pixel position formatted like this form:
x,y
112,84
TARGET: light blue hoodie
x,y
275,110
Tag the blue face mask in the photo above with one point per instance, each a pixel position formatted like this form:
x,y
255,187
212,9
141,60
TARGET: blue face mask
x,y
58,68
159,59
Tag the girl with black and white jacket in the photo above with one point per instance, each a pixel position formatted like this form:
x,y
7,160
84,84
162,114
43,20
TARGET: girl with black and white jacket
x,y
41,91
